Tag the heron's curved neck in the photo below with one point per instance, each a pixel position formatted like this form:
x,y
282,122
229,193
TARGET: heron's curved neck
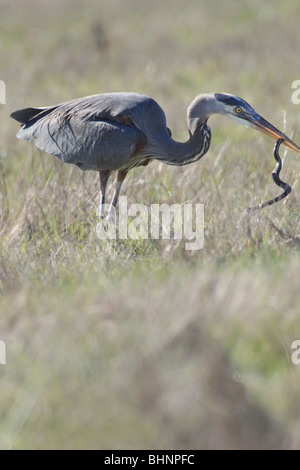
x,y
182,153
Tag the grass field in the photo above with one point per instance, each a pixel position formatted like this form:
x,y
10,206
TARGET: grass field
x,y
139,343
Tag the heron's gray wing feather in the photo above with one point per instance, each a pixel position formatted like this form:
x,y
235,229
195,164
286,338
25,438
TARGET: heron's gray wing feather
x,y
90,145
89,132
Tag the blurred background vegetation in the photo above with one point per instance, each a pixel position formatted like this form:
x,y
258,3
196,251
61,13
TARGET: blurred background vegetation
x,y
141,344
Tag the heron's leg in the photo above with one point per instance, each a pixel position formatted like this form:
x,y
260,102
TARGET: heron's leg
x,y
103,176
120,178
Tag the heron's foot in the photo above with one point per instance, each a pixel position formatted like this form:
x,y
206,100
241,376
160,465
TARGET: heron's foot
x,y
111,216
106,227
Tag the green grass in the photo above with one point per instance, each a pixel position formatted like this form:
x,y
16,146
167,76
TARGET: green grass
x,y
140,343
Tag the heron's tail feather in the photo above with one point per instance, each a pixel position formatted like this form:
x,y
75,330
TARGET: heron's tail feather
x,y
28,117
25,115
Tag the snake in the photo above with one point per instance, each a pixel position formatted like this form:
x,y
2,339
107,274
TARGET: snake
x,y
275,175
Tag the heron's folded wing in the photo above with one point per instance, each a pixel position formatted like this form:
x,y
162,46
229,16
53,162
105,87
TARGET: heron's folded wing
x,y
93,143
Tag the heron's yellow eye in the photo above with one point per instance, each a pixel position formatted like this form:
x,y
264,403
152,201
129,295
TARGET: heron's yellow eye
x,y
238,110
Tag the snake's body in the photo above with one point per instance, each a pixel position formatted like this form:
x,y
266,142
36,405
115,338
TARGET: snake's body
x,y
275,174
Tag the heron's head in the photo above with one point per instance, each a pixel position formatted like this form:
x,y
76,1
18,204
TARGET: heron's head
x,y
241,111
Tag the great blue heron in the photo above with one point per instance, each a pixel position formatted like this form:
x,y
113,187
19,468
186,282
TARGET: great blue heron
x,y
120,131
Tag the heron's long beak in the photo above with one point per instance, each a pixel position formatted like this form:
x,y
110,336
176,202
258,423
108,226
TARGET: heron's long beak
x,y
259,123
